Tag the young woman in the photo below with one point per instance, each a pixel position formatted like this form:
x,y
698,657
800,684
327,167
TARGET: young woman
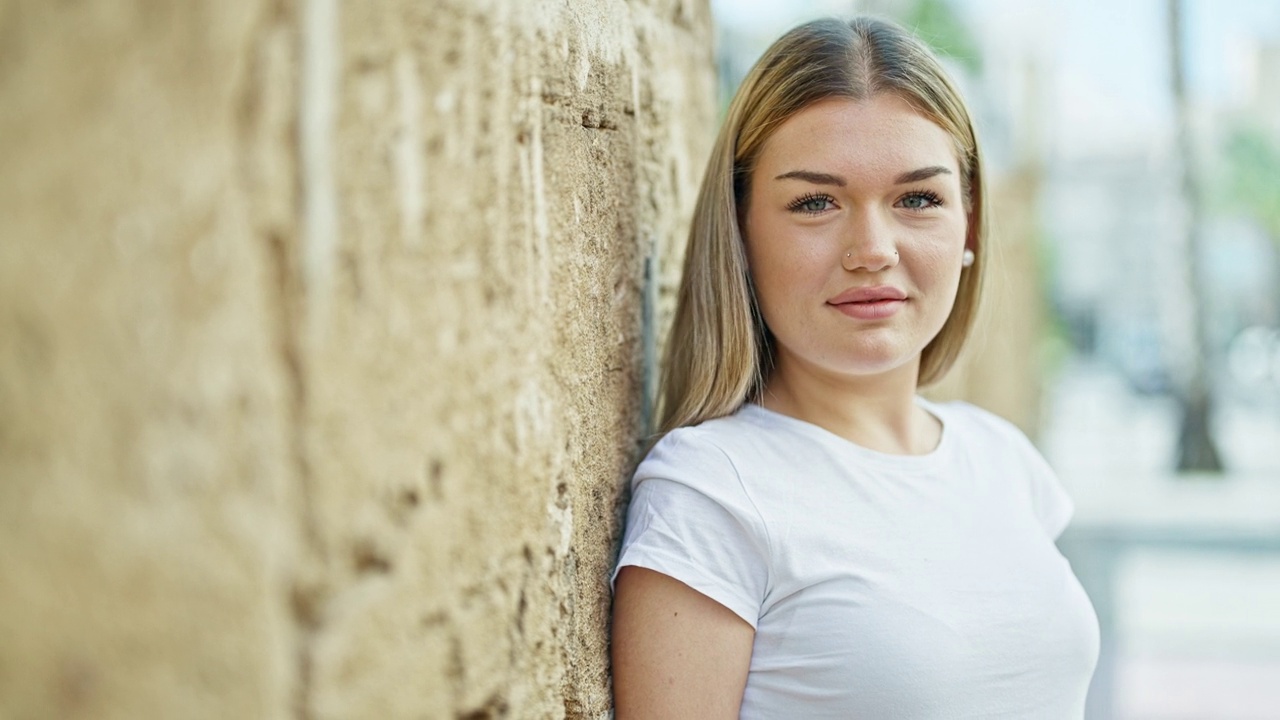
x,y
809,538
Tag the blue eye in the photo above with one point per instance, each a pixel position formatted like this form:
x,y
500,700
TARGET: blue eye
x,y
920,201
812,204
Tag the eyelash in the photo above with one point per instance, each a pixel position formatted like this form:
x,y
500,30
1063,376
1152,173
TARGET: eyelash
x,y
932,197
798,205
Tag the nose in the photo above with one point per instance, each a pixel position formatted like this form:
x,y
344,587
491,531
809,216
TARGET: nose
x,y
871,246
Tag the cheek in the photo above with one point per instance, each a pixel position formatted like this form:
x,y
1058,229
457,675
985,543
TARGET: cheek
x,y
784,264
937,258
767,277
777,265
941,252
945,272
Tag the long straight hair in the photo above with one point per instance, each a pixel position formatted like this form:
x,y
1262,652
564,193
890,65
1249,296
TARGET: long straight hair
x,y
719,351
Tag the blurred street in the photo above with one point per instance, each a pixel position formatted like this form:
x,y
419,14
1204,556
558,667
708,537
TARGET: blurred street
x,y
1193,595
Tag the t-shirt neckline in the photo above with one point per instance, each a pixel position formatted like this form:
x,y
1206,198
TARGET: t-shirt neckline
x,y
933,457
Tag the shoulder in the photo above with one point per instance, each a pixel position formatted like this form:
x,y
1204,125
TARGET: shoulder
x,y
711,449
1006,452
692,517
731,461
977,425
1001,445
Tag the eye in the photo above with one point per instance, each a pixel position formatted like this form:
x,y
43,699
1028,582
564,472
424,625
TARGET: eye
x,y
812,204
920,200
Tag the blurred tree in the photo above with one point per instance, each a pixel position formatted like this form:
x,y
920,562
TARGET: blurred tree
x,y
1253,177
1251,187
1197,451
936,22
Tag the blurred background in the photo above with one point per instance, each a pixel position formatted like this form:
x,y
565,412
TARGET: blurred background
x,y
1132,324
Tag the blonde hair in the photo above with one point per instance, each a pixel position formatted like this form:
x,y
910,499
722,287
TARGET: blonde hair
x,y
719,349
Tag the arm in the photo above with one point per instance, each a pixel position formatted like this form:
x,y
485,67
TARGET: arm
x,y
676,652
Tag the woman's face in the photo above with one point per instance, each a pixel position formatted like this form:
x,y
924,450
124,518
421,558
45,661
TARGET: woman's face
x,y
855,228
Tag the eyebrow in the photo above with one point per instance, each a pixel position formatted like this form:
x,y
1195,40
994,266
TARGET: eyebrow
x,y
818,178
921,174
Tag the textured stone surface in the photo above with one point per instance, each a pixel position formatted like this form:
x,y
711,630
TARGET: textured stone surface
x,y
144,532
320,347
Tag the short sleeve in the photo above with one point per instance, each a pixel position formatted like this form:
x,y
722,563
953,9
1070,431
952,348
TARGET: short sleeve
x,y
690,520
1053,507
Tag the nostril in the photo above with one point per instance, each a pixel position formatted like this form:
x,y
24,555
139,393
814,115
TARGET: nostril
x,y
869,259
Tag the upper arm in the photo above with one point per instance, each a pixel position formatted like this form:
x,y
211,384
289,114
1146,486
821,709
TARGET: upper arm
x,y
676,652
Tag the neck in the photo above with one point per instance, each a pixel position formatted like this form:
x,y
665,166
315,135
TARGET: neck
x,y
877,412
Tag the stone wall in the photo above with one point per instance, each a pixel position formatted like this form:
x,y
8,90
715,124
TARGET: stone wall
x,y
321,346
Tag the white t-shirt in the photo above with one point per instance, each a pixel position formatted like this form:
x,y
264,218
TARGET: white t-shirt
x,y
892,587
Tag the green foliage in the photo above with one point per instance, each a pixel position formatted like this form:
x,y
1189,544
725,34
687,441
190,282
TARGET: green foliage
x,y
937,23
1253,177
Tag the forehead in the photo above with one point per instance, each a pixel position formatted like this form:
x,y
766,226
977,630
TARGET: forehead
x,y
881,133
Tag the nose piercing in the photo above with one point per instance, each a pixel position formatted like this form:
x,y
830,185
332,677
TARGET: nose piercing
x,y
895,254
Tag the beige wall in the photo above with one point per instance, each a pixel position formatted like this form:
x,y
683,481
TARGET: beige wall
x,y
320,346
1002,367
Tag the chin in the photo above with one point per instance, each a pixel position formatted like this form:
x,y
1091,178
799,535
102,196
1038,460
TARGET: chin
x,y
873,360
870,366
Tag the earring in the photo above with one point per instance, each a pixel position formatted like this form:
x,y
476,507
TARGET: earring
x,y
967,258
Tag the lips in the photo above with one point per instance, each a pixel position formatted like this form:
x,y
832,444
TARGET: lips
x,y
869,303
868,294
